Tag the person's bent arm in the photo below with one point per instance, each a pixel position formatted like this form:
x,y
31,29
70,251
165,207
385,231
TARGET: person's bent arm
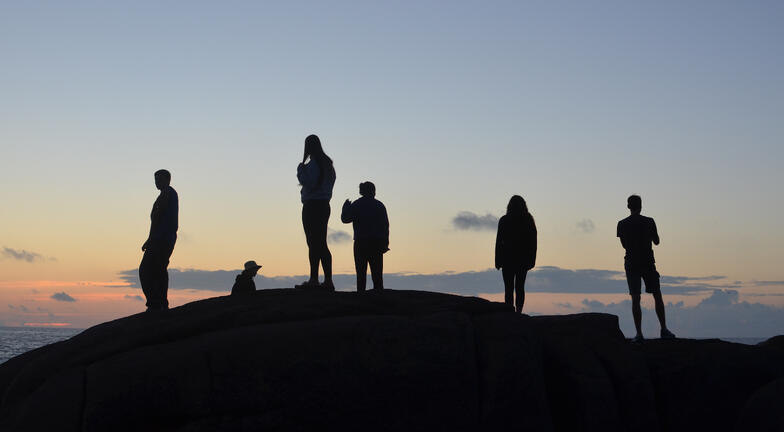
x,y
655,233
498,243
386,226
533,250
346,214
620,235
307,174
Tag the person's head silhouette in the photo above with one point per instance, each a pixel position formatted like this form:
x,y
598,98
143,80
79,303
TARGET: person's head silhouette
x,y
634,204
313,149
251,268
367,189
162,178
516,206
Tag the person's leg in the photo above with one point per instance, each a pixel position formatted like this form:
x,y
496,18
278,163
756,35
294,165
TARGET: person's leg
x,y
376,258
309,225
324,254
360,263
633,279
659,302
145,276
520,289
653,286
637,314
154,269
508,274
164,278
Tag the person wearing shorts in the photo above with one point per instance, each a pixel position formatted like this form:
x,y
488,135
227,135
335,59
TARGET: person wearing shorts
x,y
638,233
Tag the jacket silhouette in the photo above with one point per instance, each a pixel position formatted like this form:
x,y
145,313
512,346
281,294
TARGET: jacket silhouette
x,y
515,243
371,234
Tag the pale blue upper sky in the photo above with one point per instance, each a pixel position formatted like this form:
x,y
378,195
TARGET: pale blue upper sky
x,y
447,106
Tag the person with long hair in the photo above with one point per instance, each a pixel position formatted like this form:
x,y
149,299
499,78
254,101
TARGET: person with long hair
x,y
316,175
515,250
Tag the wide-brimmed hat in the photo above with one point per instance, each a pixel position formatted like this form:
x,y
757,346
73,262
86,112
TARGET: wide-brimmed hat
x,y
251,265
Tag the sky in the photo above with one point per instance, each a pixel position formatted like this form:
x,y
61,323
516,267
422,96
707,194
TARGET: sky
x,y
450,108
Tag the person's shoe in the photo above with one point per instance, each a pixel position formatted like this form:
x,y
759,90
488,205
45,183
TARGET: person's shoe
x,y
638,339
328,286
666,334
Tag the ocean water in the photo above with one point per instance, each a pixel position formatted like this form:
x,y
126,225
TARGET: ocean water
x,y
18,340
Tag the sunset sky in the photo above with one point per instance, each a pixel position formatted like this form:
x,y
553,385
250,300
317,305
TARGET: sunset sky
x,y
448,107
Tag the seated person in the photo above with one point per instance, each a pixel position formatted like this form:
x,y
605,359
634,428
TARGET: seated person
x,y
244,283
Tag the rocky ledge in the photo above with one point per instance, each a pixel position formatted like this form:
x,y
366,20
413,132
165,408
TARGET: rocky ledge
x,y
397,360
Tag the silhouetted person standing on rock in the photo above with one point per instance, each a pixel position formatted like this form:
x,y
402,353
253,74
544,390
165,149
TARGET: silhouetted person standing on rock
x,y
159,246
637,232
244,284
515,249
317,177
371,234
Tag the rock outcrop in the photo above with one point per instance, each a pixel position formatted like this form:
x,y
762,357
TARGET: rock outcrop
x,y
396,360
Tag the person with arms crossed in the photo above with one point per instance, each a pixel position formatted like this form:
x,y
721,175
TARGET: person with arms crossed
x,y
637,233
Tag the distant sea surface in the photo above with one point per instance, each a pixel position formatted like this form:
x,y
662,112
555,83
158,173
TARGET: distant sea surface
x,y
18,340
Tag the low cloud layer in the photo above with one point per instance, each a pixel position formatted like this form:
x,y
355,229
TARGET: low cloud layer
x,y
769,283
719,315
468,221
62,296
542,279
133,297
21,255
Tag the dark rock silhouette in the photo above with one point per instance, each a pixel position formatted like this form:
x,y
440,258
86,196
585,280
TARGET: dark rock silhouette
x,y
392,360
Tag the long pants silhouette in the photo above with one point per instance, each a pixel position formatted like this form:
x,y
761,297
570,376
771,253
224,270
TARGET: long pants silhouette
x,y
514,284
154,276
369,252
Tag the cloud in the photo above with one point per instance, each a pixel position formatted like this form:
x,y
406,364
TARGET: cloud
x,y
720,315
586,226
20,308
21,255
337,236
542,279
133,297
210,280
468,221
721,298
62,296
769,283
